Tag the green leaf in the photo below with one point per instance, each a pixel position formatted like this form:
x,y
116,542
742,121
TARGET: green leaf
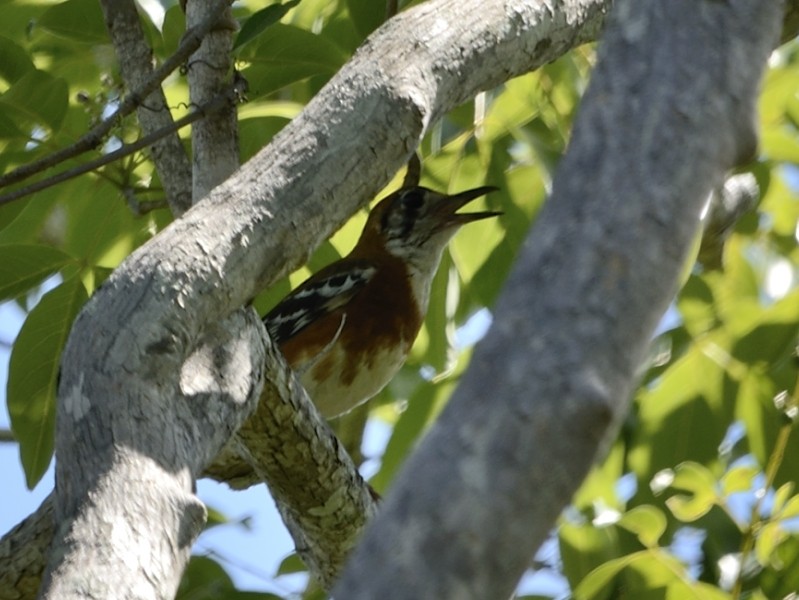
x,y
173,28
77,20
683,416
367,15
9,129
768,538
780,144
583,548
15,61
204,579
598,580
791,508
33,374
261,20
738,479
51,95
407,430
695,304
215,517
288,54
600,484
781,496
692,477
291,564
256,132
100,227
438,325
647,522
24,266
27,225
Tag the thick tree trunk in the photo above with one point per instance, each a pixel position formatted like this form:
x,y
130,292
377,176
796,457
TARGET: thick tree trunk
x,y
669,110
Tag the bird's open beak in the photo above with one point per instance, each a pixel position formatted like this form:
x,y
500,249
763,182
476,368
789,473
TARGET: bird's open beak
x,y
450,204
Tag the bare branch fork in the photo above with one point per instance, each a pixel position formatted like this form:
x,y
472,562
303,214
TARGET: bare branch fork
x,y
230,96
94,137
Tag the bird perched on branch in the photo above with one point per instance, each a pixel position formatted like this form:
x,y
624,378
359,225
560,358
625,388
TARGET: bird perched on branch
x,y
348,329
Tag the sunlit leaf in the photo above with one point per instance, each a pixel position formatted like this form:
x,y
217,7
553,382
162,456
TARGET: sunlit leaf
x,y
781,497
594,585
791,508
33,374
696,479
768,538
647,522
583,548
696,307
685,416
291,564
738,479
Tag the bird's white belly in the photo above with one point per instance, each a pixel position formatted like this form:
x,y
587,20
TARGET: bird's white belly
x,y
337,395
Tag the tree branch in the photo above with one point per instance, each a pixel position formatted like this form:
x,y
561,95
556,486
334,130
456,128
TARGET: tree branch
x,y
142,512
550,383
215,147
135,62
92,139
226,98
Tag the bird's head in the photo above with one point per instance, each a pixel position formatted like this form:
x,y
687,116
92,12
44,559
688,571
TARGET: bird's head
x,y
415,223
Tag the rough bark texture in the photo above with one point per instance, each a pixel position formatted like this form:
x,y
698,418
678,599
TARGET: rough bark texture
x,y
325,504
214,140
135,63
670,108
23,554
129,447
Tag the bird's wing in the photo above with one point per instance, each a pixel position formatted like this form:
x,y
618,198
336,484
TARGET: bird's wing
x,y
326,291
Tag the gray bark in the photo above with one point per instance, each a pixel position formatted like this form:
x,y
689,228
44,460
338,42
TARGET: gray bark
x,y
135,63
214,139
669,110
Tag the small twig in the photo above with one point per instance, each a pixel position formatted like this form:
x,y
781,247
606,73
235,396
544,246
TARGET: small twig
x,y
229,95
6,435
93,138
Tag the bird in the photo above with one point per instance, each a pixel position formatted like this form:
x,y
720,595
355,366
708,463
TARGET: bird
x,y
348,329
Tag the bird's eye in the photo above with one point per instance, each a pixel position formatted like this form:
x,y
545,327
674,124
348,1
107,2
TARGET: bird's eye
x,y
412,199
